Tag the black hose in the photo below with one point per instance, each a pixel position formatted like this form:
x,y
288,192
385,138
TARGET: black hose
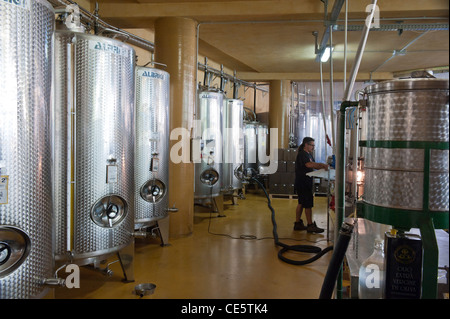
x,y
299,248
336,261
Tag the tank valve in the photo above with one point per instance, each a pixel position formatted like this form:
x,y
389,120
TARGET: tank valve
x,y
54,282
140,234
172,209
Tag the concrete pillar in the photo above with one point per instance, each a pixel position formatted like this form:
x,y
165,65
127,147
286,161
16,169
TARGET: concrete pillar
x,y
175,45
279,100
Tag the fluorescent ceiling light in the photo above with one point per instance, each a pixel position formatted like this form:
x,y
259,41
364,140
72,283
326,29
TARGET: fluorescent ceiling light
x,y
326,54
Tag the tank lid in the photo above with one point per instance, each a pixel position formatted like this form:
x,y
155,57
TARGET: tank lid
x,y
408,84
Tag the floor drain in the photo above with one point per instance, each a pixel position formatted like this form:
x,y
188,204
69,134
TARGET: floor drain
x,y
144,289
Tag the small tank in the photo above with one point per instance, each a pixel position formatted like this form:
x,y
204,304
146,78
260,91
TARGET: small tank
x,y
208,136
152,145
233,144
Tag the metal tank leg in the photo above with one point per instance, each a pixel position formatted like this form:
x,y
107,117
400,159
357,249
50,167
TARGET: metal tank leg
x,y
126,259
430,260
163,230
217,202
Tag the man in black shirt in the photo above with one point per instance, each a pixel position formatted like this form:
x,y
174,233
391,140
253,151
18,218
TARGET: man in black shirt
x,y
304,163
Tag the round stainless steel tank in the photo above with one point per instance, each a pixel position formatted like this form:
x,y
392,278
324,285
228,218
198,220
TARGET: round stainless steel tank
x,y
233,144
262,145
94,146
26,49
251,145
208,161
255,145
407,130
152,145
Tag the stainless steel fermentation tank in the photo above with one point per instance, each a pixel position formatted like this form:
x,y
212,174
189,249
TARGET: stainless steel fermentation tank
x,y
26,48
407,163
94,140
408,125
233,145
207,152
152,145
255,145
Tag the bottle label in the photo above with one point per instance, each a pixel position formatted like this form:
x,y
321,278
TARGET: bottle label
x,y
403,267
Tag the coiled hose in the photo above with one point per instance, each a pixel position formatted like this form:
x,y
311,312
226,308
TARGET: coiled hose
x,y
300,248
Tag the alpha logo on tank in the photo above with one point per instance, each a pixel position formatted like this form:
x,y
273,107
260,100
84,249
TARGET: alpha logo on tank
x,y
26,4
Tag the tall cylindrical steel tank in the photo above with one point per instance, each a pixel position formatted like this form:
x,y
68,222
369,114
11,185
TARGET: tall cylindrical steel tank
x,y
406,152
208,153
233,144
93,145
262,144
152,145
251,145
256,139
26,49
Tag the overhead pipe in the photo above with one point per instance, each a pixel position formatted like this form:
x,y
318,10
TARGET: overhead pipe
x,y
333,130
359,53
399,52
397,27
232,78
323,100
335,11
340,154
97,23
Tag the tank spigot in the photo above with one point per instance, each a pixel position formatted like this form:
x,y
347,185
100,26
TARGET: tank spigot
x,y
140,234
54,282
172,209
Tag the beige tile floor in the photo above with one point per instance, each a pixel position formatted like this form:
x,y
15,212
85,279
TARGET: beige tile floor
x,y
207,265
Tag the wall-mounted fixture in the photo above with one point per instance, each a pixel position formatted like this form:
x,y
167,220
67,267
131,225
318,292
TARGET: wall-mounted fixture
x,y
326,53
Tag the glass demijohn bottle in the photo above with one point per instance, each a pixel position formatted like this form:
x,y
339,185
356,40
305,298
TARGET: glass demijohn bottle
x,y
372,274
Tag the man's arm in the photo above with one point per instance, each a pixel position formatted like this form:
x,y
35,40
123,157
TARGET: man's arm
x,y
317,165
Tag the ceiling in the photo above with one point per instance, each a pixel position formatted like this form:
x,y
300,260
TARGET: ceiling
x,y
273,39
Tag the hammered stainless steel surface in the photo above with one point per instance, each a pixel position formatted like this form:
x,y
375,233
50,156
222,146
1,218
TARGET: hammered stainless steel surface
x,y
101,79
26,49
409,115
233,143
407,110
208,133
152,144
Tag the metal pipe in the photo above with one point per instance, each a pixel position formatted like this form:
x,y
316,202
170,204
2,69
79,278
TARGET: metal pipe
x,y
356,64
340,179
323,101
340,152
396,27
333,134
345,43
232,78
96,21
254,98
254,114
335,11
401,50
